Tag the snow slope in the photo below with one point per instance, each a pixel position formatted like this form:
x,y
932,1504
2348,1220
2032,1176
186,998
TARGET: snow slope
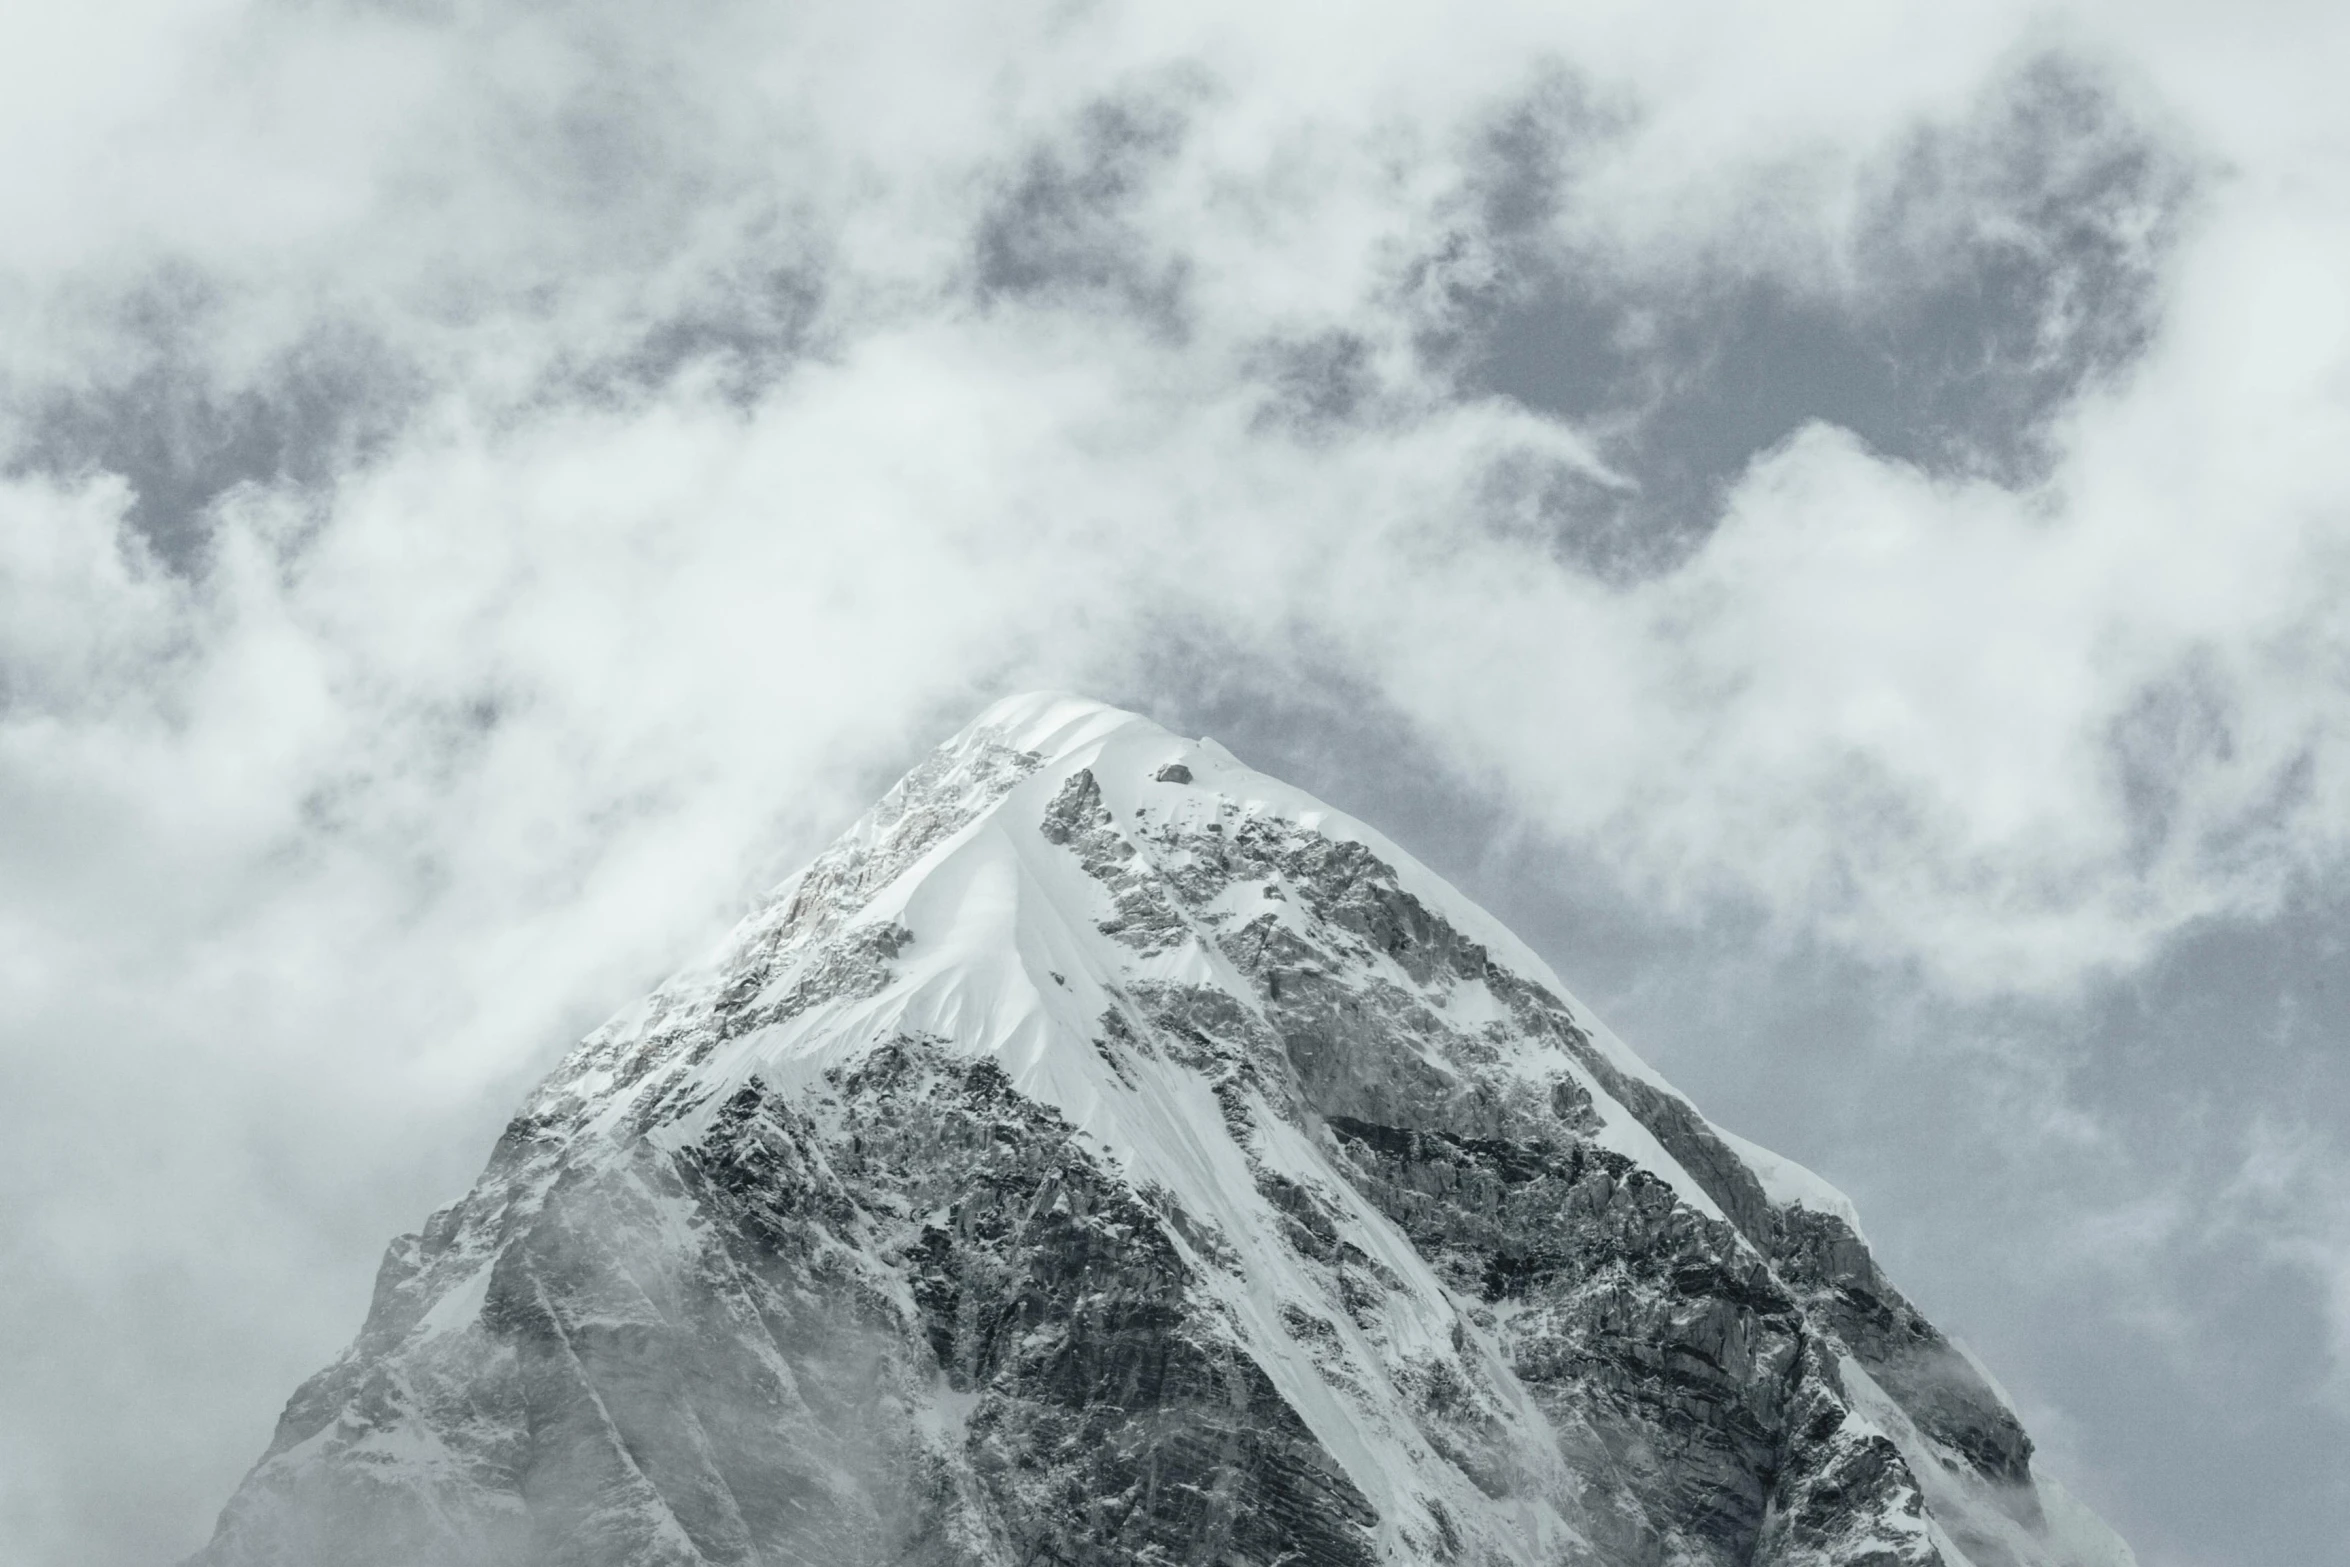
x,y
1107,1153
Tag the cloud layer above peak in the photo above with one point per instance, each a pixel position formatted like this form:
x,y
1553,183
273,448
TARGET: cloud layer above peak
x,y
453,351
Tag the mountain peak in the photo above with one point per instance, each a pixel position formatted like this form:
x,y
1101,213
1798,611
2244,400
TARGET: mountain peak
x,y
1051,723
1105,1152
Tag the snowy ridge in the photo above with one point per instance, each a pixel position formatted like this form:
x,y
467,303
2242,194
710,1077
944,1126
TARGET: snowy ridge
x,y
1790,1185
993,916
1106,1152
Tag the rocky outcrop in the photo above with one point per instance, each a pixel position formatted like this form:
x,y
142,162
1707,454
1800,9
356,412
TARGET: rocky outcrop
x,y
1105,1154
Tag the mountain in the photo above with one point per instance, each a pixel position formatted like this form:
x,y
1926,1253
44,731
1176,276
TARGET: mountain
x,y
1107,1154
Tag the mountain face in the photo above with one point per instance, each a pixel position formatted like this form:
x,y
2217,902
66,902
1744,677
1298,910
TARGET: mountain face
x,y
1106,1154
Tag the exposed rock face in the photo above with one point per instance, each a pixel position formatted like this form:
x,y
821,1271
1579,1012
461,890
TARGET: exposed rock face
x,y
1104,1154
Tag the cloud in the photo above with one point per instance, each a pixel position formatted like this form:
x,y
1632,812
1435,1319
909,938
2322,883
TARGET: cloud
x,y
486,488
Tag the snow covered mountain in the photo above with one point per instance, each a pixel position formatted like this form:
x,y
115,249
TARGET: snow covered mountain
x,y
1107,1154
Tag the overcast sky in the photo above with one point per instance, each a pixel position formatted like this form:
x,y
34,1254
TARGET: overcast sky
x,y
1832,519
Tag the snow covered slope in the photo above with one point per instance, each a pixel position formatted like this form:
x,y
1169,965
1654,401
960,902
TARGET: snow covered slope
x,y
1107,1154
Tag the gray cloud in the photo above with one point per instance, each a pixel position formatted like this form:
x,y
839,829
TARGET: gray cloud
x,y
1996,266
736,331
1064,229
181,434
1317,383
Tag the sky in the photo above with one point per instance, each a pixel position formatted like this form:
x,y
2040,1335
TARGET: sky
x,y
1833,520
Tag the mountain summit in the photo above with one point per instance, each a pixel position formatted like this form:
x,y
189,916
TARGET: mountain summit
x,y
1107,1154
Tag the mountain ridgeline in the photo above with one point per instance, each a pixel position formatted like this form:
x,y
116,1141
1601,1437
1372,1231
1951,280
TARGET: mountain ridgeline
x,y
1105,1154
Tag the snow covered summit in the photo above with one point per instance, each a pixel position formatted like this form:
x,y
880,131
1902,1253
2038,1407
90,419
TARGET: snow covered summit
x,y
1107,1154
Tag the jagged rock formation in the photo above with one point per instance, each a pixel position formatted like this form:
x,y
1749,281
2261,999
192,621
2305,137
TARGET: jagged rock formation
x,y
1106,1154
